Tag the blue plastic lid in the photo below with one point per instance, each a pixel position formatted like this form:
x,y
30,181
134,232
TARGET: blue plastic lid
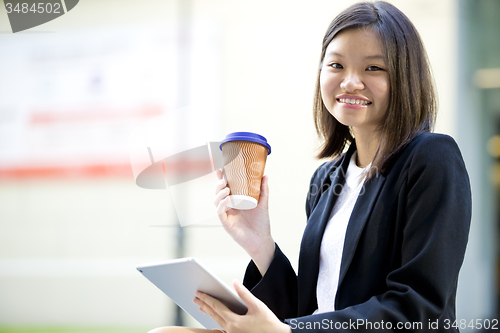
x,y
246,136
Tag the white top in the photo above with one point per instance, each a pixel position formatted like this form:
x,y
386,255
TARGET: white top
x,y
332,244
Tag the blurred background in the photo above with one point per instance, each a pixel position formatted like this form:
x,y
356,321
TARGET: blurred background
x,y
73,222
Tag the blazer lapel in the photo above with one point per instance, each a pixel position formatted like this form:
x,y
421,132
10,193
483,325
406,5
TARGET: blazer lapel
x,y
359,217
313,234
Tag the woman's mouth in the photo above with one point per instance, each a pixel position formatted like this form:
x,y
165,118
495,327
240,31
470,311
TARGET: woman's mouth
x,y
353,101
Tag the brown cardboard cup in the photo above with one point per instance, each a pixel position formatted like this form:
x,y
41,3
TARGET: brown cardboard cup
x,y
244,163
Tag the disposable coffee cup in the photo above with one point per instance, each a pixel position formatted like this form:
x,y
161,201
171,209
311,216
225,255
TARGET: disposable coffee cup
x,y
244,155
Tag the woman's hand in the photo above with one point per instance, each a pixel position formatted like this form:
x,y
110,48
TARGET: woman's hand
x,y
249,228
258,319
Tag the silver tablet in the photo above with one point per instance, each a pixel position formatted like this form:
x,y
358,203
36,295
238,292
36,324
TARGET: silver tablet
x,y
179,279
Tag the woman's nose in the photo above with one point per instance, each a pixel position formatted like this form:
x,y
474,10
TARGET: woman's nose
x,y
351,83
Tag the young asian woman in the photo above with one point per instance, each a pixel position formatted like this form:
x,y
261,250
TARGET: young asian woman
x,y
388,214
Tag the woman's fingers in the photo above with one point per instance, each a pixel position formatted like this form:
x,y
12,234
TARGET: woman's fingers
x,y
222,208
205,308
214,308
221,200
221,183
258,318
219,173
222,194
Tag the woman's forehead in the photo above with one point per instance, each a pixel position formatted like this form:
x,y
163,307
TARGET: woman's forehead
x,y
362,40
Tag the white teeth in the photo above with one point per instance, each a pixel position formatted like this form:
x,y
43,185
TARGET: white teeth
x,y
353,101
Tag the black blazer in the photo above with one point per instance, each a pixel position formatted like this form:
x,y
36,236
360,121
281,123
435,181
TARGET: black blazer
x,y
404,245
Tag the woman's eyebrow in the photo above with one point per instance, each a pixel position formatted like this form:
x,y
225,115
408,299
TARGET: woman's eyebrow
x,y
333,53
375,56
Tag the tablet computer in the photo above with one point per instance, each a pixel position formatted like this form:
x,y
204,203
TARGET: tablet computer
x,y
179,279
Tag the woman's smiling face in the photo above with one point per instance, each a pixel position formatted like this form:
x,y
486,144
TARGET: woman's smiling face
x,y
354,81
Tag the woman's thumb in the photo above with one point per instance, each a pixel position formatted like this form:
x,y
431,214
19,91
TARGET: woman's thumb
x,y
246,296
264,190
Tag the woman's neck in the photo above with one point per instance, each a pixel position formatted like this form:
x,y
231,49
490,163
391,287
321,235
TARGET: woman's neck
x,y
366,146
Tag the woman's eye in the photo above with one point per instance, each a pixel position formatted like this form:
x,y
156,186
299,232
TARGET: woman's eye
x,y
373,68
336,65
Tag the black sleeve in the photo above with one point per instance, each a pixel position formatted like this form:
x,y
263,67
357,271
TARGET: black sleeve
x,y
278,288
437,215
